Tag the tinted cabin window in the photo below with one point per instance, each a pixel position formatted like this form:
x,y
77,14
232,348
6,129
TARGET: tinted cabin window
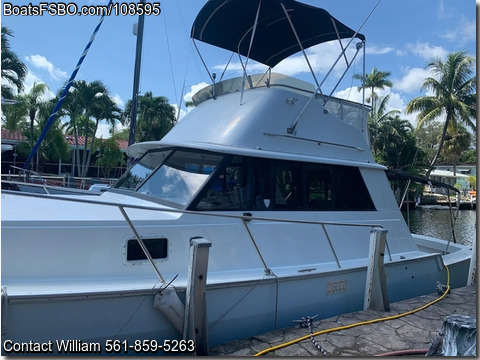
x,y
242,185
261,184
320,188
288,185
351,192
157,249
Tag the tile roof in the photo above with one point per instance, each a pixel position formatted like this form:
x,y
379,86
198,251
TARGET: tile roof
x,y
18,136
13,135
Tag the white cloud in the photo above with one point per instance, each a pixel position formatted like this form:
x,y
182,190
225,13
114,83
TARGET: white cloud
x,y
193,90
118,100
103,130
31,79
378,50
321,58
179,116
351,94
395,102
188,97
41,62
426,51
104,127
412,81
442,14
465,32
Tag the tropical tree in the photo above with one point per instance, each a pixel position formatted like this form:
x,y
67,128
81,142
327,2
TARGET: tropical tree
x,y
109,155
377,121
34,100
104,108
375,80
397,145
427,140
14,114
454,90
85,106
155,117
54,146
472,181
13,70
455,145
468,157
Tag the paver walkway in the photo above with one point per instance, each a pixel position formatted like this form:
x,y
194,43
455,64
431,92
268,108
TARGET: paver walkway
x,y
415,331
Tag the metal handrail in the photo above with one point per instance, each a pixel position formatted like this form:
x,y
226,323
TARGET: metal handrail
x,y
189,212
246,217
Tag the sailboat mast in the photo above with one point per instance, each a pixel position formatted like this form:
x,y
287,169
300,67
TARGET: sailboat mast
x,y
136,77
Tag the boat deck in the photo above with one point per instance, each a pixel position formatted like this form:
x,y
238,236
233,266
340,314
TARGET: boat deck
x,y
415,331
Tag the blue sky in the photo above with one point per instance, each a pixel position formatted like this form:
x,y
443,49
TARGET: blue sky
x,y
401,37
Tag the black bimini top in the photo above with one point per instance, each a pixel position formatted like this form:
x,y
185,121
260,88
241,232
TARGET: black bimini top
x,y
228,24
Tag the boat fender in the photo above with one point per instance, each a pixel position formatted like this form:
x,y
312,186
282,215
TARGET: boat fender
x,y
171,307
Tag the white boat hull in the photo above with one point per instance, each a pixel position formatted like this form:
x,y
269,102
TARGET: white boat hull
x,y
234,309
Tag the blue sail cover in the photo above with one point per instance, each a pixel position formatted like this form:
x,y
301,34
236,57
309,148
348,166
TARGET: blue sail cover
x,y
228,24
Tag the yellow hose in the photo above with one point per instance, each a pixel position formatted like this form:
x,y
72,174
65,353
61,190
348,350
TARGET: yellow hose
x,y
326,331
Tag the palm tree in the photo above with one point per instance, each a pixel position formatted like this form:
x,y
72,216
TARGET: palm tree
x,y
155,117
104,108
398,143
54,146
33,101
109,155
375,80
14,115
378,119
455,144
14,71
84,102
454,96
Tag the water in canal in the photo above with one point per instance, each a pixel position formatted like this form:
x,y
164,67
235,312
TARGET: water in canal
x,y
431,221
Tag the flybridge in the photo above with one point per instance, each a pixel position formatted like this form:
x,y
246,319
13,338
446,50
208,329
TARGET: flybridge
x,y
352,113
269,31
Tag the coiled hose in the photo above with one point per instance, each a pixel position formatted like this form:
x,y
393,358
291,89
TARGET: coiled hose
x,y
373,321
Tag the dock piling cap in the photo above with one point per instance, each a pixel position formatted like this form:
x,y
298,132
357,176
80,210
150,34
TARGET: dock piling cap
x,y
200,242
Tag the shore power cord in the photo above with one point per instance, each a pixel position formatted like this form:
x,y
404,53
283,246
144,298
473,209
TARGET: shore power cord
x,y
307,322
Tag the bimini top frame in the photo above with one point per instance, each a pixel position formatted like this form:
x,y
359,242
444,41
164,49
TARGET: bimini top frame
x,y
269,31
231,25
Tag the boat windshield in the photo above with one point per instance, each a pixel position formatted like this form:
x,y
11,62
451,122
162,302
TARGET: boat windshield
x,y
174,176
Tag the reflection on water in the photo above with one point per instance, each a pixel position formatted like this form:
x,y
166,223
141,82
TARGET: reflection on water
x,y
436,223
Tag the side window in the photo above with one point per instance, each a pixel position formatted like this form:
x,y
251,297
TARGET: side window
x,y
157,248
319,188
331,187
261,184
244,184
223,193
351,191
288,186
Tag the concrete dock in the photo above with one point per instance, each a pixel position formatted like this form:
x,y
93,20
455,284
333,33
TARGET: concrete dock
x,y
410,332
